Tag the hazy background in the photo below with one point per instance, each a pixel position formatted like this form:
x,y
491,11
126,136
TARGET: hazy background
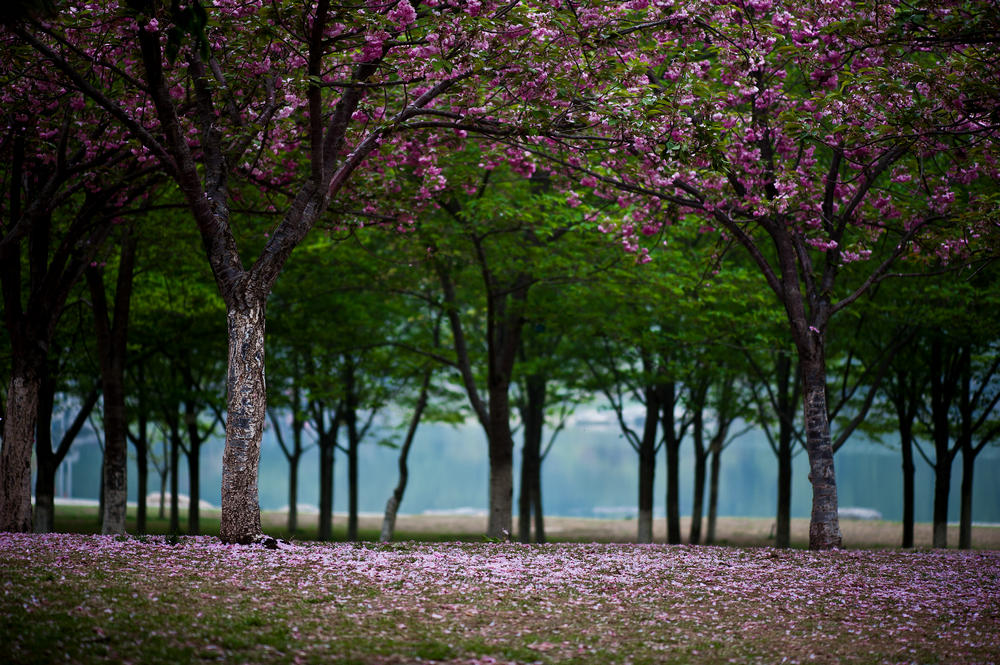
x,y
590,472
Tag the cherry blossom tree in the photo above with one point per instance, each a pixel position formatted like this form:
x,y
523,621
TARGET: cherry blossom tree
x,y
292,99
814,135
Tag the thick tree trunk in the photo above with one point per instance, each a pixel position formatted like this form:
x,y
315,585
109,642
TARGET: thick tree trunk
x,y
115,453
246,411
965,517
942,488
501,456
18,440
824,524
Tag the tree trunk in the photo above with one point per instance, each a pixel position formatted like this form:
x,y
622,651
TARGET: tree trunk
x,y
501,456
824,523
246,409
533,417
942,395
647,466
194,490
697,505
46,460
293,495
673,445
786,383
327,441
965,519
909,471
536,501
115,452
175,467
396,498
713,490
326,467
194,468
142,468
18,440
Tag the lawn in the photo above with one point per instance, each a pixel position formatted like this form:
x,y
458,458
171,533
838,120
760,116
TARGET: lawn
x,y
156,599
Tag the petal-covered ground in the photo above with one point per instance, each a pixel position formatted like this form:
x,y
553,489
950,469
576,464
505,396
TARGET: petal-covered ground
x,y
72,598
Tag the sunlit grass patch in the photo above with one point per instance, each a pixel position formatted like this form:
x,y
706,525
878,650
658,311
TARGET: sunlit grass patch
x,y
94,599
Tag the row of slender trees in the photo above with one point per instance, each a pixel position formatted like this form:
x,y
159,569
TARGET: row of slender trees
x,y
368,322
831,143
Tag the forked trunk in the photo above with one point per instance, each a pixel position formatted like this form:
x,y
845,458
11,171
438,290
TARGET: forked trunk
x,y
824,524
18,439
246,411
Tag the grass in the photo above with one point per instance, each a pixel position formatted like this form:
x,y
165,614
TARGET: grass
x,y
754,532
101,599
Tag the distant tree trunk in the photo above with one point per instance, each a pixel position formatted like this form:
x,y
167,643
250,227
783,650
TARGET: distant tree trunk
x,y
111,330
909,471
700,455
175,467
140,441
965,519
944,377
246,410
353,441
46,462
194,468
787,395
142,468
715,451
49,459
647,465
673,445
533,418
327,442
396,498
536,501
293,496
